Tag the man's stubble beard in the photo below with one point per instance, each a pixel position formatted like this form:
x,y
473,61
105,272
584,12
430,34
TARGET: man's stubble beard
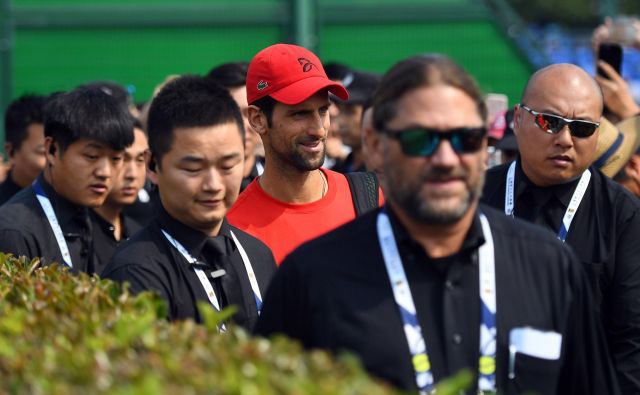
x,y
426,211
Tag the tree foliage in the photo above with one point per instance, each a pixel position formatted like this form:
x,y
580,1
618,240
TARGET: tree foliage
x,y
67,334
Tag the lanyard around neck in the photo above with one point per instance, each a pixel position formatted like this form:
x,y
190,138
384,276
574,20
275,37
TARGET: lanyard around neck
x,y
413,331
45,203
576,199
206,284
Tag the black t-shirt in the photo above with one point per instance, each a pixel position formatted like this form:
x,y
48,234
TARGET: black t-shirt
x,y
8,188
334,293
25,230
604,234
149,262
104,241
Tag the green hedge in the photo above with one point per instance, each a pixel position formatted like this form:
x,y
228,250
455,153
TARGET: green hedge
x,y
67,334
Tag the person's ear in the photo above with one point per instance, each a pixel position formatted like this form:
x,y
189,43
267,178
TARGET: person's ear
x,y
517,119
373,146
51,149
8,148
152,166
632,168
257,120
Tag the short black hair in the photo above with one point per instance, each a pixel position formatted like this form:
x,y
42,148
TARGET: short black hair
x,y
88,112
338,71
230,75
266,105
189,101
421,71
22,112
119,92
137,124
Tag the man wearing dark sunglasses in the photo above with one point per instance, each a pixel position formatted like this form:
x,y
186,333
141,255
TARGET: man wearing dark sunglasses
x,y
433,283
553,184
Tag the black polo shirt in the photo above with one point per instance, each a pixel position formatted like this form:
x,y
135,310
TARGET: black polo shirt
x,y
334,293
145,208
104,241
8,188
25,229
149,262
255,172
605,235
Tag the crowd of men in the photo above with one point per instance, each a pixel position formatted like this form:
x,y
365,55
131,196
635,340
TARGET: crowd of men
x,y
409,252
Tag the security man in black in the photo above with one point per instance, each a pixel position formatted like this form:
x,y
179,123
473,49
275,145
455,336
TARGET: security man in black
x,y
189,253
148,261
24,143
552,184
86,132
104,241
434,283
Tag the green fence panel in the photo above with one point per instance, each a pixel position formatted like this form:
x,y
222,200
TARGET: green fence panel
x,y
50,60
478,46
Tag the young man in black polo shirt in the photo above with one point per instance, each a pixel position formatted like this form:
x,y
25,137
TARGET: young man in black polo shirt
x,y
189,252
24,145
109,222
433,283
361,87
86,131
553,184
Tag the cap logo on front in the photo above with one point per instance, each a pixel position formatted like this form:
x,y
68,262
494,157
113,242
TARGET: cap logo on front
x,y
262,85
306,64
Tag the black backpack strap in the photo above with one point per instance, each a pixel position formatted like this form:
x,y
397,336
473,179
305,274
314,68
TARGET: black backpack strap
x,y
364,191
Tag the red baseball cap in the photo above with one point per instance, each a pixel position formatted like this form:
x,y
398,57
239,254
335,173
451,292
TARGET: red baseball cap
x,y
289,74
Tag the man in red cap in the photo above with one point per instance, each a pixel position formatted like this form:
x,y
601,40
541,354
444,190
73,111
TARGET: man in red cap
x,y
294,200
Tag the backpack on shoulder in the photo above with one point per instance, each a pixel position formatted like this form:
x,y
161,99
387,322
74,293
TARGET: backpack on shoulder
x,y
364,191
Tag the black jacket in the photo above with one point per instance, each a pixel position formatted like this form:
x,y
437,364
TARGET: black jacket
x,y
334,293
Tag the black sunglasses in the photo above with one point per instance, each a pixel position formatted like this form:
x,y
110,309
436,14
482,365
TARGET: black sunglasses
x,y
418,141
553,124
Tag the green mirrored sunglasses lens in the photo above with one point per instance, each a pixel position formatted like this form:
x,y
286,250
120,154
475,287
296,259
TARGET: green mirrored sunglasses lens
x,y
419,142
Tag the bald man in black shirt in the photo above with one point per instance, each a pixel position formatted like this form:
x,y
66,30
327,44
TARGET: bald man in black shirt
x,y
434,283
553,185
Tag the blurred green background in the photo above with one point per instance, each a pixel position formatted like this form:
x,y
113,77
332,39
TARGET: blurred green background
x,y
52,45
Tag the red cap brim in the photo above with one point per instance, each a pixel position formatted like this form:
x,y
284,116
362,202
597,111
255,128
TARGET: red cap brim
x,y
301,90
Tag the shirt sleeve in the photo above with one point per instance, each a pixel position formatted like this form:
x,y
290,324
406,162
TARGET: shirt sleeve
x,y
623,321
15,242
587,367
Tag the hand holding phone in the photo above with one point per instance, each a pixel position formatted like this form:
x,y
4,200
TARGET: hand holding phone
x,y
612,55
618,99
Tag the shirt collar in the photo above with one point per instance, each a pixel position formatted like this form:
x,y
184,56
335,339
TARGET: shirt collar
x,y
193,240
65,210
563,192
473,239
108,227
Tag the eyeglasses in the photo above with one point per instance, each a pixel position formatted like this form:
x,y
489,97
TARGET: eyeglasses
x,y
553,124
417,141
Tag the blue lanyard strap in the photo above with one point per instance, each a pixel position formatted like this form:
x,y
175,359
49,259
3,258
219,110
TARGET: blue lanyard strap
x,y
574,204
412,329
45,203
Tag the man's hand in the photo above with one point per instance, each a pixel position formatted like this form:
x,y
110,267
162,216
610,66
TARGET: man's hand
x,y
607,33
615,90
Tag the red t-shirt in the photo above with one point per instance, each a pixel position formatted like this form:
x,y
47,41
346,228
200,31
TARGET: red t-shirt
x,y
284,226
